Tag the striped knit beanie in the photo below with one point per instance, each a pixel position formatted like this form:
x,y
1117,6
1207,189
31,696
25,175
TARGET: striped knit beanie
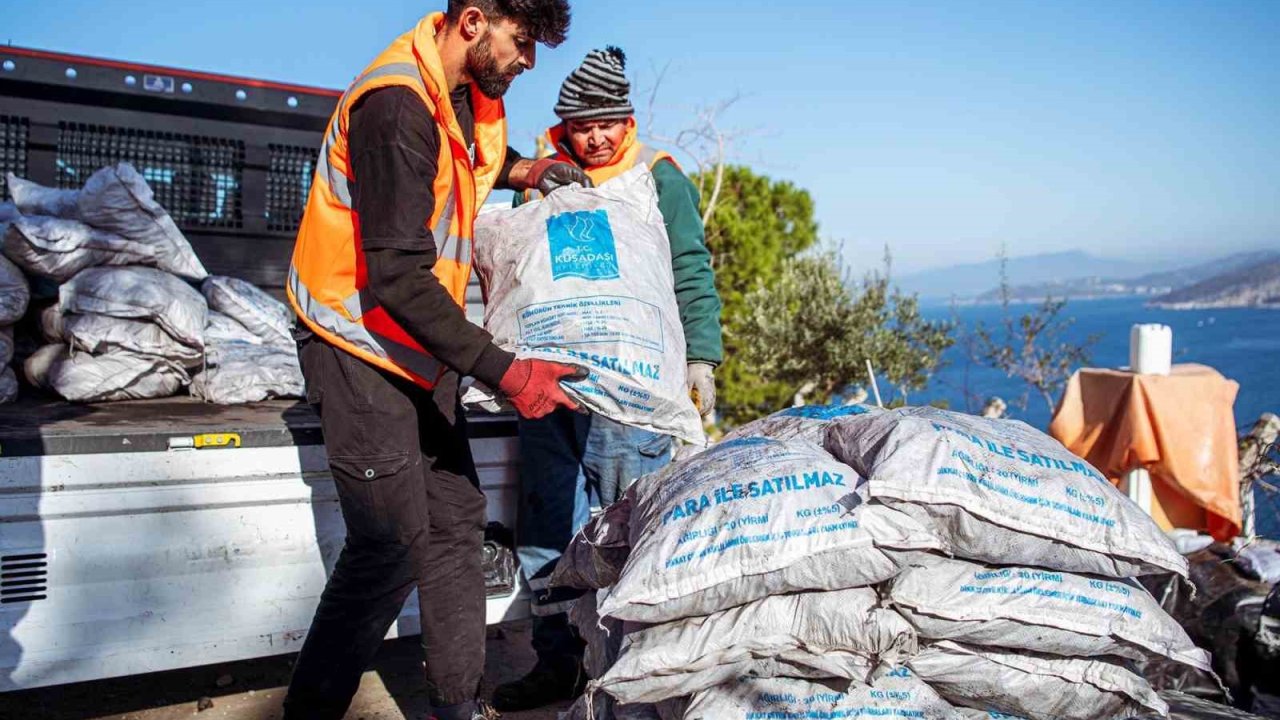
x,y
597,89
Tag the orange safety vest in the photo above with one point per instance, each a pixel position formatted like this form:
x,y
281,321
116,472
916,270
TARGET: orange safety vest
x,y
328,281
630,153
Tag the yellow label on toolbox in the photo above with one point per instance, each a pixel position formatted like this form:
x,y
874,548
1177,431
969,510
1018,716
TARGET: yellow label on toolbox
x,y
216,440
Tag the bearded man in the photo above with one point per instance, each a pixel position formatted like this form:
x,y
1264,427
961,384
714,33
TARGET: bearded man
x,y
378,280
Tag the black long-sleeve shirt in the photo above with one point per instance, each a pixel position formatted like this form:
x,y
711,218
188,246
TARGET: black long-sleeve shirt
x,y
394,143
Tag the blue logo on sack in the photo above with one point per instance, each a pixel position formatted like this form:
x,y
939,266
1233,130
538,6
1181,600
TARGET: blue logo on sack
x,y
824,412
582,246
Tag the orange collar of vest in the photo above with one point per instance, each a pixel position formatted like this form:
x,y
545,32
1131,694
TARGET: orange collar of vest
x,y
432,69
622,155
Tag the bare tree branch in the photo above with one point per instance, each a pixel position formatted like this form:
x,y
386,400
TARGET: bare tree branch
x,y
705,142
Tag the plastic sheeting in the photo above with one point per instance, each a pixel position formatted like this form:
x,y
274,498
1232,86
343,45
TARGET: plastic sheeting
x,y
117,199
1180,427
35,199
15,293
58,249
8,386
895,694
1039,610
238,373
139,293
806,422
841,634
262,315
81,377
98,334
222,329
1036,687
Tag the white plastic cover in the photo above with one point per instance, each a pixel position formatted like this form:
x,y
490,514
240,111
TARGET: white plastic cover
x,y
8,213
8,386
841,634
117,199
750,518
584,276
58,249
15,293
6,345
262,315
221,329
99,334
35,199
81,377
895,693
1037,687
985,714
139,293
1042,610
240,373
1002,492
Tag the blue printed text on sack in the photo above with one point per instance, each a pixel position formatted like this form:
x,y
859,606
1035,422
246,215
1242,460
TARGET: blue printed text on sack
x,y
1028,458
755,489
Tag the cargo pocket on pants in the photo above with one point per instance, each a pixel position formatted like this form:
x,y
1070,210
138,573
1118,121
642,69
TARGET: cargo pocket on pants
x,y
383,497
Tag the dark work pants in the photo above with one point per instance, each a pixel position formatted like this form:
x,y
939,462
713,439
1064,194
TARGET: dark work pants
x,y
415,518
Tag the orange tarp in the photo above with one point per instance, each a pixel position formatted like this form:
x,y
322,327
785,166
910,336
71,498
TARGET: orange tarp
x,y
1179,427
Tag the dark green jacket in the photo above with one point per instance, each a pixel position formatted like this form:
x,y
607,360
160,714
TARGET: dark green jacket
x,y
695,281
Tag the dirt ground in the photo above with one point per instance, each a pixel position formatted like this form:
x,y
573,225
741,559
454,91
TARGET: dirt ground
x,y
254,689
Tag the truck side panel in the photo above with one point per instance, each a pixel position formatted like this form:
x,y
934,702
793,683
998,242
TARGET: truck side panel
x,y
152,561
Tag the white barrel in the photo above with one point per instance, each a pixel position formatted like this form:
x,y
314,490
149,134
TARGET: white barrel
x,y
1151,349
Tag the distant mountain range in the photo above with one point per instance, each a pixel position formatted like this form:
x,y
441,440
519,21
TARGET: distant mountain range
x,y
1253,285
971,280
1233,280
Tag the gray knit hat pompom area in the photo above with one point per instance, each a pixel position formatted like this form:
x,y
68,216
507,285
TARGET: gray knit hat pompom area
x,y
598,89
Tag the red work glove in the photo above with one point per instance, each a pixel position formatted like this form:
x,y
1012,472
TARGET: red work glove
x,y
533,386
548,175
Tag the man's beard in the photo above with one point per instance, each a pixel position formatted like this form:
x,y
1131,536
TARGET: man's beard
x,y
484,71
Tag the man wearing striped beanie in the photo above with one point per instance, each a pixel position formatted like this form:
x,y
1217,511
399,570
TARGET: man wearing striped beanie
x,y
568,461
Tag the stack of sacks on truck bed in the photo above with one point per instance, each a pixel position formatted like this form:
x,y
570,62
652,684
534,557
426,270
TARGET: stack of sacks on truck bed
x,y
128,322
250,354
15,294
979,568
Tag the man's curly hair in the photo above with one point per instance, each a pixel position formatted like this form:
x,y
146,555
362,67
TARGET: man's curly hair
x,y
546,21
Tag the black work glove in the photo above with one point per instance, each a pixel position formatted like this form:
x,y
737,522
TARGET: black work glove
x,y
549,175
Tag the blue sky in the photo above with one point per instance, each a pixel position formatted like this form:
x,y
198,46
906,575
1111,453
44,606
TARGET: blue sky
x,y
1130,129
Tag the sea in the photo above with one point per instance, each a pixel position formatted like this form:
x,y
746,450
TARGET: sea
x,y
1242,344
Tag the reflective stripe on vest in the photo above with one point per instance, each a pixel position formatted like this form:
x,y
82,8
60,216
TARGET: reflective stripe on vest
x,y
338,182
454,247
357,334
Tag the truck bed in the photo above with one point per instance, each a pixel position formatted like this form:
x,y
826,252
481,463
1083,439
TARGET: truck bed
x,y
50,426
